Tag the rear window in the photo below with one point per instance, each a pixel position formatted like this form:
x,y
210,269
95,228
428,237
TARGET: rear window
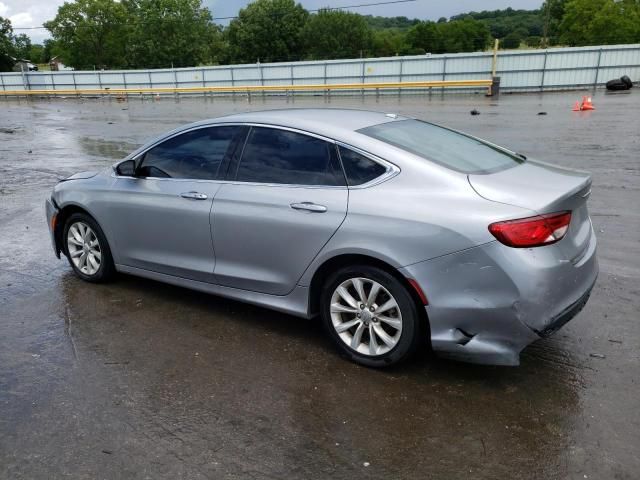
x,y
443,146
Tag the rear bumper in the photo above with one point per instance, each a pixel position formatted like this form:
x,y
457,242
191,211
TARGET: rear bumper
x,y
52,212
488,303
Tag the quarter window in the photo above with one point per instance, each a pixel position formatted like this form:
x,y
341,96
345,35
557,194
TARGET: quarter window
x,y
196,154
283,157
358,168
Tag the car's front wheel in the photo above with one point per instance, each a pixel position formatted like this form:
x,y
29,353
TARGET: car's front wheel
x,y
87,249
370,315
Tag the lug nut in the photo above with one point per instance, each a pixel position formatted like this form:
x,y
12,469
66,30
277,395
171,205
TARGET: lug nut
x,y
362,306
358,315
372,309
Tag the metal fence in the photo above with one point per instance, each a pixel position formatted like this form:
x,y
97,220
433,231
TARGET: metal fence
x,y
521,70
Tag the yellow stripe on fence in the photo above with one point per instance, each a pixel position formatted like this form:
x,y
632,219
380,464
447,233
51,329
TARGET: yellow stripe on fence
x,y
253,88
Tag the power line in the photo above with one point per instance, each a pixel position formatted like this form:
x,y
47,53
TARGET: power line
x,y
361,5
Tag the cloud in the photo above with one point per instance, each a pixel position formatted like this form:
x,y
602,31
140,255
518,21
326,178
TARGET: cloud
x,y
22,18
30,13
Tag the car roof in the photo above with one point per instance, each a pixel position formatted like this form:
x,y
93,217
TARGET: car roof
x,y
336,123
339,124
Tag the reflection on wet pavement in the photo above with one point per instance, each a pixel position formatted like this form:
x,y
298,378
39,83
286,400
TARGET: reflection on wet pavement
x,y
145,380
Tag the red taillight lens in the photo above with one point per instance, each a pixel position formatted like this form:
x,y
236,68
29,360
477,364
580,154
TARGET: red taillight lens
x,y
532,231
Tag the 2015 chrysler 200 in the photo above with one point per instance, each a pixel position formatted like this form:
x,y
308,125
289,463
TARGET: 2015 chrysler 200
x,y
394,230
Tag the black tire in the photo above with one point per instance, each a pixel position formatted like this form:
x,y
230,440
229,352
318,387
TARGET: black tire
x,y
411,331
616,85
106,270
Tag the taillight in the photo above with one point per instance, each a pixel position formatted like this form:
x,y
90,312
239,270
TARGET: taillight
x,y
532,231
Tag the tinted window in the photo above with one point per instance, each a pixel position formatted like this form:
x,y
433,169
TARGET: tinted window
x,y
196,154
279,156
441,145
358,168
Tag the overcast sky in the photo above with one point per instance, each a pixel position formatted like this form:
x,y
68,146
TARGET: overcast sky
x,y
32,13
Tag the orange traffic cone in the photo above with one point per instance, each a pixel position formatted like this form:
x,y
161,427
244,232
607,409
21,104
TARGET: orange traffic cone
x,y
586,104
576,107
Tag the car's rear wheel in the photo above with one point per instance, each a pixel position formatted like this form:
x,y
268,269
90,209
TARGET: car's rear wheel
x,y
87,249
370,315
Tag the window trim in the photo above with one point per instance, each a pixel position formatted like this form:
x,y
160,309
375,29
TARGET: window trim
x,y
392,169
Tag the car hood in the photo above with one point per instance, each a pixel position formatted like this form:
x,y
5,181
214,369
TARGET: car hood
x,y
80,176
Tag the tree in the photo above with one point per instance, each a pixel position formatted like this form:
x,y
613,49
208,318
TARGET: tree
x,y
91,33
552,12
267,30
600,22
512,40
389,42
426,36
36,54
336,34
6,45
22,46
49,50
169,32
465,35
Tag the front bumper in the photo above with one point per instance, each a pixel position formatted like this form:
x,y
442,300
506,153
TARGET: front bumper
x,y
488,303
52,213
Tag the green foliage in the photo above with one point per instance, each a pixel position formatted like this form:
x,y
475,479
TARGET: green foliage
x,y
552,13
533,41
397,23
389,42
49,50
600,22
336,34
503,22
22,46
91,33
6,45
168,32
512,40
267,30
464,35
36,54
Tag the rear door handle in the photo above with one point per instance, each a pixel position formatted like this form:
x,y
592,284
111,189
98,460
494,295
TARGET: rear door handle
x,y
309,207
194,195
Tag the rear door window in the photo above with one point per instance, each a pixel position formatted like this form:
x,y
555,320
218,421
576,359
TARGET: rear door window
x,y
196,154
358,168
283,157
443,146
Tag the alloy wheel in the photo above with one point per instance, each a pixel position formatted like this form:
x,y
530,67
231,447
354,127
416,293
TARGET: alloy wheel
x,y
366,316
84,248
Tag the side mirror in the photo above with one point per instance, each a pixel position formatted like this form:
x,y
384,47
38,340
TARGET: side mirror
x,y
127,169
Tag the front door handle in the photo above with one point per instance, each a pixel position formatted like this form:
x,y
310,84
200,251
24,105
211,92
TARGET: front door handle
x,y
309,207
194,195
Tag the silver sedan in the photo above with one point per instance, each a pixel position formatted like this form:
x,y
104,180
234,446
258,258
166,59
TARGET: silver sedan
x,y
397,232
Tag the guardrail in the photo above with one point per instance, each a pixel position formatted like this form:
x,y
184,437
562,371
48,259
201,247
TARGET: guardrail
x,y
519,70
252,88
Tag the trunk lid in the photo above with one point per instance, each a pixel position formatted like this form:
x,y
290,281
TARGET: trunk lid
x,y
544,188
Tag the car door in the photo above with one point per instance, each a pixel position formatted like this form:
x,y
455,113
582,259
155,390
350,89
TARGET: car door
x,y
160,218
284,199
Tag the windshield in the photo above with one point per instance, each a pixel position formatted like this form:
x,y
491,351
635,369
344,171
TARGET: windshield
x,y
443,146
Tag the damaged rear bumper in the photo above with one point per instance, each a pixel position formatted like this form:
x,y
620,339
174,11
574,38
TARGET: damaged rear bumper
x,y
486,304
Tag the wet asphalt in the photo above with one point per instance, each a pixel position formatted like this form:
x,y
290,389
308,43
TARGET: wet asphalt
x,y
136,379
